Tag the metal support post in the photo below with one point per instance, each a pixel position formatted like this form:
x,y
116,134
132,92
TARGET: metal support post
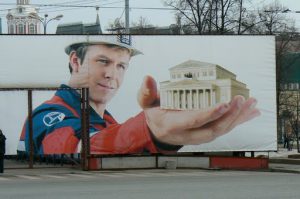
x,y
85,138
127,16
30,124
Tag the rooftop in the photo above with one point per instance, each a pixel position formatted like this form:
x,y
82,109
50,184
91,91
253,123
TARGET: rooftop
x,y
192,63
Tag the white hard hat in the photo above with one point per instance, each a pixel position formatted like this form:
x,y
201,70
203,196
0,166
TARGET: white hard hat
x,y
124,41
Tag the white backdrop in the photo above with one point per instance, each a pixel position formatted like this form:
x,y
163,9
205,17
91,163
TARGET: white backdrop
x,y
40,61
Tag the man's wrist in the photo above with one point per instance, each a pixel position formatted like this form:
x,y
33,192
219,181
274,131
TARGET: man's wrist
x,y
162,145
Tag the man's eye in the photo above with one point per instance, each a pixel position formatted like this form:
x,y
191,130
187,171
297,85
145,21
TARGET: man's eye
x,y
122,66
103,61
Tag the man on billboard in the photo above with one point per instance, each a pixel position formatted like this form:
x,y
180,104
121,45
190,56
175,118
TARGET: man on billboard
x,y
100,63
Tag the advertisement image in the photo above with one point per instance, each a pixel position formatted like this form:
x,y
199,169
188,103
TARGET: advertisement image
x,y
146,94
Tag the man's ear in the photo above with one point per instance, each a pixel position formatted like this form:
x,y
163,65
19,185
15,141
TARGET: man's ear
x,y
74,61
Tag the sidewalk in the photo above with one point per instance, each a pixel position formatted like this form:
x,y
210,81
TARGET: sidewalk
x,y
14,167
283,160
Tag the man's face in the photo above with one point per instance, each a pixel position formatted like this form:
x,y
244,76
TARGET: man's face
x,y
106,67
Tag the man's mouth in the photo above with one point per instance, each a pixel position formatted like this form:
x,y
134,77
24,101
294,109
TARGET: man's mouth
x,y
106,86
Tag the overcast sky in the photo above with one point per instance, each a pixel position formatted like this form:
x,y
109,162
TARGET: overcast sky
x,y
107,15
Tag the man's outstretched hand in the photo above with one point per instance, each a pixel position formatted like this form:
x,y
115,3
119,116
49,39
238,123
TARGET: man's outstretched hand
x,y
192,126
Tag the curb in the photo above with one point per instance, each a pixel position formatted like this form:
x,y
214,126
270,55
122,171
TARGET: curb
x,y
284,171
285,161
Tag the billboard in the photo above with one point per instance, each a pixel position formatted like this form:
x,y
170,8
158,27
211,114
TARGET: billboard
x,y
216,68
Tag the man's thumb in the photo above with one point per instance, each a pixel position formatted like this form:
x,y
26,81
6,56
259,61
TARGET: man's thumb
x,y
147,95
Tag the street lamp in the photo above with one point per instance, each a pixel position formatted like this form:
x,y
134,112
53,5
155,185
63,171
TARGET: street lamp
x,y
44,20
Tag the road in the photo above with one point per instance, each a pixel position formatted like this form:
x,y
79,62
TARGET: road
x,y
148,184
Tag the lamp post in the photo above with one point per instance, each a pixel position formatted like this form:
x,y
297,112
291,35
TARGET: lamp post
x,y
45,20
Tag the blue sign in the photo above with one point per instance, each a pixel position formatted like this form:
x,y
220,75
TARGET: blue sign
x,y
125,39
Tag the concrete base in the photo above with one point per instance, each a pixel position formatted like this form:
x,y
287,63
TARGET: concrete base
x,y
144,162
122,163
173,162
184,162
240,163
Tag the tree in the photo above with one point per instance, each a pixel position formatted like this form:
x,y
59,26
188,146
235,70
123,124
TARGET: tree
x,y
273,19
177,27
288,92
210,16
247,19
230,16
223,18
118,27
142,26
289,112
194,12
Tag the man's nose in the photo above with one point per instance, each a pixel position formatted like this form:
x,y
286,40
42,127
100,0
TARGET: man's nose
x,y
111,72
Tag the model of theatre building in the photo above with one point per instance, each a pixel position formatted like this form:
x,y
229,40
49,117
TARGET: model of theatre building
x,y
198,85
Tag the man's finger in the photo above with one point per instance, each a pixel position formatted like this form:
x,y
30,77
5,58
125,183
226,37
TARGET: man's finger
x,y
147,95
235,117
223,124
220,126
182,120
248,112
